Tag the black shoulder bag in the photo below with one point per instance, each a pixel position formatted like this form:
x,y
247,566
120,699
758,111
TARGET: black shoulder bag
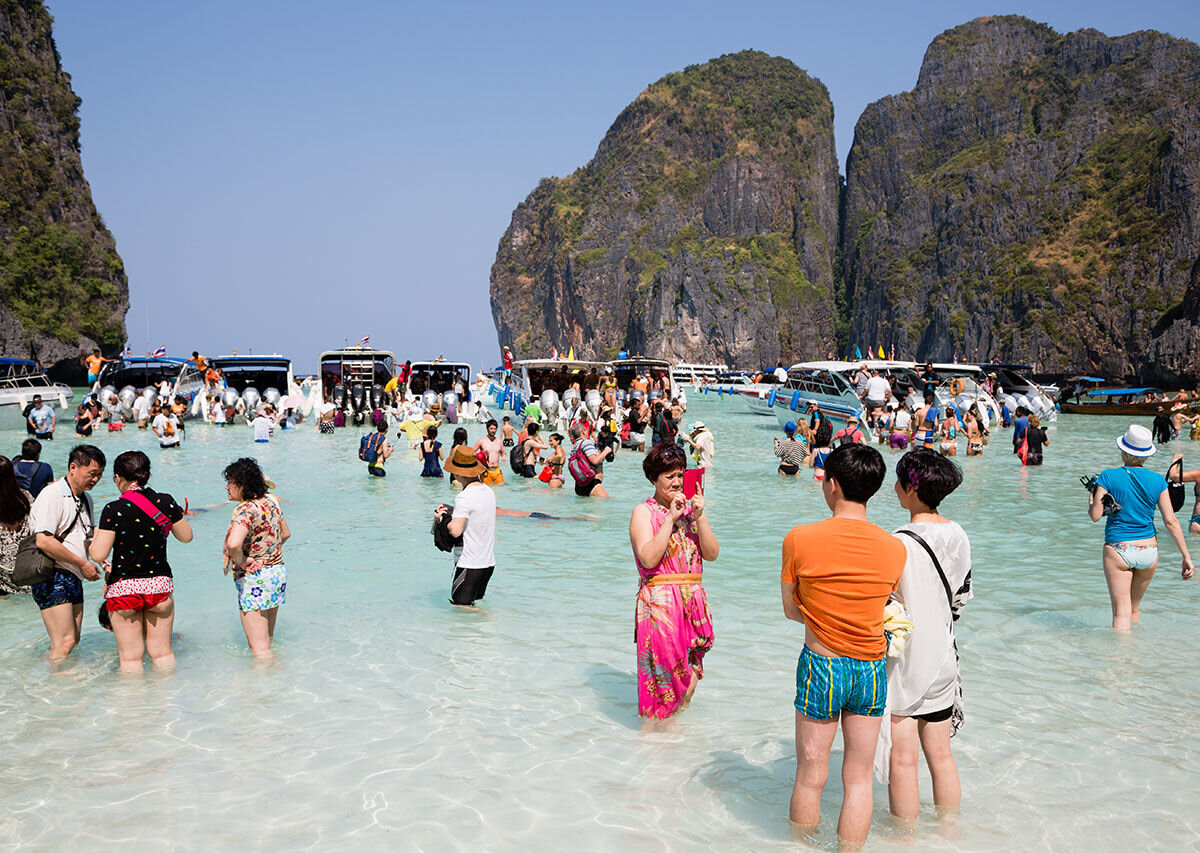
x,y
941,574
32,564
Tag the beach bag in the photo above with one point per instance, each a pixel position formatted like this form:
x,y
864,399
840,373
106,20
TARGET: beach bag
x,y
339,418
516,459
1176,491
580,466
546,475
368,448
32,565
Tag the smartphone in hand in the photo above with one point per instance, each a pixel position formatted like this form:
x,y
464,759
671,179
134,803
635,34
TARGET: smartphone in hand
x,y
693,482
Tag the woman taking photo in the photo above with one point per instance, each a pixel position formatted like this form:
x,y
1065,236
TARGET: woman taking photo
x,y
671,538
254,552
139,596
14,524
1127,497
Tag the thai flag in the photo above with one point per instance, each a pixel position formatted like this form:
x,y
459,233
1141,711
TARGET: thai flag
x,y
128,350
366,341
160,352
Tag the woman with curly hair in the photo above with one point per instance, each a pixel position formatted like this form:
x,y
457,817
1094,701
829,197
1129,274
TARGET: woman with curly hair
x,y
254,552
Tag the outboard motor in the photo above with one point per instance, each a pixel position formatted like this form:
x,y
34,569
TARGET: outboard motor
x,y
251,398
123,400
429,399
569,395
338,396
230,398
654,394
377,397
549,403
150,393
449,398
358,402
272,396
636,394
592,401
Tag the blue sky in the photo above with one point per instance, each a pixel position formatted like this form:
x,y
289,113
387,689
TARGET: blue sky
x,y
287,175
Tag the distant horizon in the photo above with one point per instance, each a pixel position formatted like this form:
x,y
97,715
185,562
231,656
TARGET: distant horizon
x,y
311,174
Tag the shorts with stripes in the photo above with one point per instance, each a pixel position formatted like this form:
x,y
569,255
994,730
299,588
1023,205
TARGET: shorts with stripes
x,y
827,686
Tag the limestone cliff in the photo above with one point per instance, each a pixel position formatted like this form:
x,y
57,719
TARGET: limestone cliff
x,y
62,285
703,229
1036,197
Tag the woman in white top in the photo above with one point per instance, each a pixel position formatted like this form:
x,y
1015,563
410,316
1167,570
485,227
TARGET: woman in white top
x,y
924,699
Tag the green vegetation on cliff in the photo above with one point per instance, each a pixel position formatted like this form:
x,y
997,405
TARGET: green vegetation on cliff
x,y
60,274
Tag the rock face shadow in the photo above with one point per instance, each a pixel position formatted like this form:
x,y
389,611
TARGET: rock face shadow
x,y
616,694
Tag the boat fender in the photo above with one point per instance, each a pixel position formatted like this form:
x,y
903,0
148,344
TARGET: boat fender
x,y
771,397
795,405
956,386
720,391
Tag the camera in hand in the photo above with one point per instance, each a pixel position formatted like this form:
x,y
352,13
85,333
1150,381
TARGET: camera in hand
x,y
1111,507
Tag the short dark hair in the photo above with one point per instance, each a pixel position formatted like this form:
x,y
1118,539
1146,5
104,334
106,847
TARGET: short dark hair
x,y
431,432
246,474
930,474
31,448
928,397
532,429
492,423
506,419
661,458
858,468
382,425
85,454
132,465
557,437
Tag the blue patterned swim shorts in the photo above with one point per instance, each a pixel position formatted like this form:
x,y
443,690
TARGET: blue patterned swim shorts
x,y
827,686
63,588
263,589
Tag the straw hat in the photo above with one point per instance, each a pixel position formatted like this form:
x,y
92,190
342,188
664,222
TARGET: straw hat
x,y
1137,441
464,463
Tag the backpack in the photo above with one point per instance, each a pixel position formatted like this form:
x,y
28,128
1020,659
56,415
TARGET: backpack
x,y
25,474
580,466
516,459
368,450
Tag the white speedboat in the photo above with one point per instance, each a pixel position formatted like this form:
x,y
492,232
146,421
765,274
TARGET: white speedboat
x,y
267,378
439,376
696,376
531,377
625,370
825,384
20,380
1015,388
960,386
353,379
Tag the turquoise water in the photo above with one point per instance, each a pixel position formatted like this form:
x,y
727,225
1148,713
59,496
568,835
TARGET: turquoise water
x,y
391,720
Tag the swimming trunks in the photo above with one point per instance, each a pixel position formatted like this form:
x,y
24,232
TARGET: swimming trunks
x,y
63,588
493,477
324,427
827,686
898,441
975,445
528,472
585,487
935,716
469,585
376,470
1195,520
1136,556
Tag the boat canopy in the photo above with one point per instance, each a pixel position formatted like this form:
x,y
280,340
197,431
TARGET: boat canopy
x,y
1086,379
356,366
137,370
1122,392
439,376
254,371
559,375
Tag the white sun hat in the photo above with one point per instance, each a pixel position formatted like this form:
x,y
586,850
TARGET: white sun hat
x,y
1137,441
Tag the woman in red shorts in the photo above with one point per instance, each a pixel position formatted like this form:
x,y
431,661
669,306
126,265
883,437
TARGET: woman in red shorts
x,y
139,597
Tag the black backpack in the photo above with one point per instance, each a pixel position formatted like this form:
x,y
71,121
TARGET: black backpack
x,y
24,469
516,458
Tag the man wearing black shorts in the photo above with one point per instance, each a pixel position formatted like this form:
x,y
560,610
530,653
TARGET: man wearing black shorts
x,y
474,519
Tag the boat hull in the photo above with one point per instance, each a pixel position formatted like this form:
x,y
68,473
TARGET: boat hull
x,y
1128,409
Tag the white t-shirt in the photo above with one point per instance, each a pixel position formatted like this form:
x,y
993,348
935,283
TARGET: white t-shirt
x,y
167,429
262,428
52,513
141,408
327,407
780,375
877,388
477,504
218,412
902,421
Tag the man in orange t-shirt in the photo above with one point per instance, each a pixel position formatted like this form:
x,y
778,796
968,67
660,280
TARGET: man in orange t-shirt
x,y
837,576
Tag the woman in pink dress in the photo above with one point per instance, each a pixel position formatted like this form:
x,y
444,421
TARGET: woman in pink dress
x,y
671,537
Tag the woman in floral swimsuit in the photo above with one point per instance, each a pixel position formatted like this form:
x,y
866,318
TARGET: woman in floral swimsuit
x,y
254,552
671,538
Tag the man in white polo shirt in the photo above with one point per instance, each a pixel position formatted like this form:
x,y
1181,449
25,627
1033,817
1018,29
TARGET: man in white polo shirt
x,y
62,518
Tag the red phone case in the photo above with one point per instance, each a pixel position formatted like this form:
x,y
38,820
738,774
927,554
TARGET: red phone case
x,y
693,482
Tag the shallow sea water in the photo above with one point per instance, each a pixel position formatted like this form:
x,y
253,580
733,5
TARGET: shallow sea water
x,y
390,720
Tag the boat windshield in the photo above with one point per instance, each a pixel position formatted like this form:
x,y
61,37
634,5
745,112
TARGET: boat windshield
x,y
260,374
140,372
626,370
818,380
440,377
559,377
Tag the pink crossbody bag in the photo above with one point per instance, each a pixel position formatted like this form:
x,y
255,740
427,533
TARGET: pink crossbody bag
x,y
156,515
